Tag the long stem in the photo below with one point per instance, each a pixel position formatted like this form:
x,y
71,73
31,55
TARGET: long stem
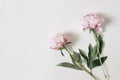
x,y
81,65
102,67
89,72
68,50
95,35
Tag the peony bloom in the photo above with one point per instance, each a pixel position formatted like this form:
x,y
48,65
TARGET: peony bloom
x,y
58,41
92,21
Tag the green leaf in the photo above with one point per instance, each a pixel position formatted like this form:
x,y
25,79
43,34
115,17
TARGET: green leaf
x,y
97,62
90,48
72,59
92,54
68,42
61,52
69,65
82,53
76,57
101,43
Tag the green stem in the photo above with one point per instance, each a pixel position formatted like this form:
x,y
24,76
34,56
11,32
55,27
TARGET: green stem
x,y
94,33
89,72
96,38
102,67
67,50
70,53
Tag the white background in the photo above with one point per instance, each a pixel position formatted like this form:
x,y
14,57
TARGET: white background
x,y
26,26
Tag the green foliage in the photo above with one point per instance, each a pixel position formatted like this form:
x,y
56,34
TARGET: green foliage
x,y
68,43
92,59
91,55
83,55
70,65
61,52
96,62
101,43
77,57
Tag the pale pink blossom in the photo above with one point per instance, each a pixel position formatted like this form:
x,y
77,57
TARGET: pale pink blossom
x,y
58,41
92,21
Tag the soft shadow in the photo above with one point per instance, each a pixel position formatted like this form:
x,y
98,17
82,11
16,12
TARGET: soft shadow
x,y
72,37
107,20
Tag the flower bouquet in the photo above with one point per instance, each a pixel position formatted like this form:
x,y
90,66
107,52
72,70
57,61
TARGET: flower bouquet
x,y
82,60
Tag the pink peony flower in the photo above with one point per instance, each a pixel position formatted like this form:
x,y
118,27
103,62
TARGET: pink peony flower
x,y
58,41
92,21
